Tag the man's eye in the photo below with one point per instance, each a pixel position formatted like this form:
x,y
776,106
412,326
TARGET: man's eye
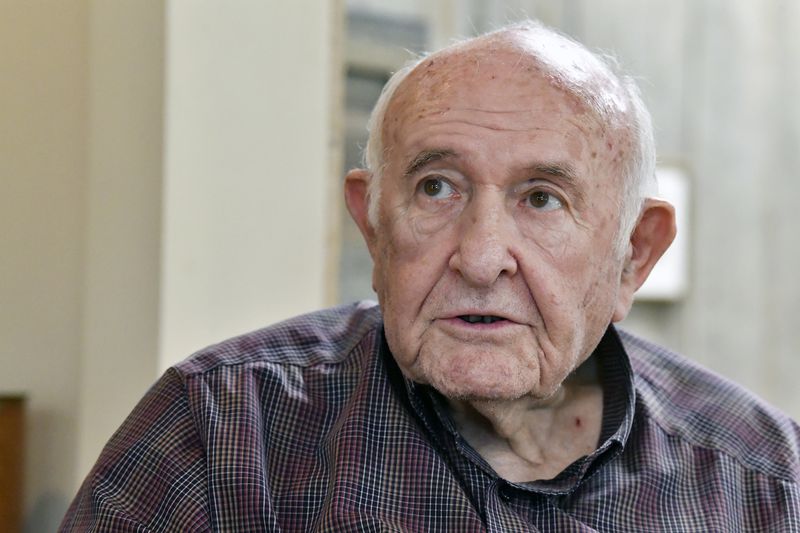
x,y
544,201
436,188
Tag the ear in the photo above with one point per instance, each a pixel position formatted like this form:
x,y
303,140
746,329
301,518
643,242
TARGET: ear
x,y
356,196
653,234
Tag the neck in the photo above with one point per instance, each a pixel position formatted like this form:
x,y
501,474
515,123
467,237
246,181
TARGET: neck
x,y
527,438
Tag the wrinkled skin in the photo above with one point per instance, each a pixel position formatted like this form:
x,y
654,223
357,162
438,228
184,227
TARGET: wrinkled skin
x,y
499,198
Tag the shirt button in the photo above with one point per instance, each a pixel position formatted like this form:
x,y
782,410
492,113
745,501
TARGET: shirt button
x,y
504,494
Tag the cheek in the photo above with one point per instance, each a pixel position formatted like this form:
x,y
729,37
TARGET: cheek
x,y
550,241
407,266
414,246
598,299
571,279
429,226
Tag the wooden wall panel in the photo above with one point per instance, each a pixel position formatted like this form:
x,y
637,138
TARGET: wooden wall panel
x,y
12,444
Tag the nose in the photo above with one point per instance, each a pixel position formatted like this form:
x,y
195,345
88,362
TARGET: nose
x,y
486,248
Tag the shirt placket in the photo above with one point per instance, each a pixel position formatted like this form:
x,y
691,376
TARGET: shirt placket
x,y
510,508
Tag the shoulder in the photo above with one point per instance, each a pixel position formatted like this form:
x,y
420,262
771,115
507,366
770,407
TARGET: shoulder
x,y
705,410
198,411
322,337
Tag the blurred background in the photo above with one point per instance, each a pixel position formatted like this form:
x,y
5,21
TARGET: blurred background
x,y
170,175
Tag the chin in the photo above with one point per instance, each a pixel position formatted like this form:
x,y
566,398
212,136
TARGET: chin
x,y
502,393
460,378
470,394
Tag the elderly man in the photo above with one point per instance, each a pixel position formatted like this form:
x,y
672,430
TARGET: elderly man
x,y
508,208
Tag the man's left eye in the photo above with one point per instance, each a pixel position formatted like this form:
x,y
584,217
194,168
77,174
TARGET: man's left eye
x,y
544,201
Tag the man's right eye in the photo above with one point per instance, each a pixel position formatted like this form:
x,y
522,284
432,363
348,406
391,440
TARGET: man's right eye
x,y
436,188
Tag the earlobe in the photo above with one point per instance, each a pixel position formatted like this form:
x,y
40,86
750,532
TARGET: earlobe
x,y
356,196
653,234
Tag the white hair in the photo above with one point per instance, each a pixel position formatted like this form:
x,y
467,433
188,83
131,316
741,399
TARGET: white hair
x,y
594,79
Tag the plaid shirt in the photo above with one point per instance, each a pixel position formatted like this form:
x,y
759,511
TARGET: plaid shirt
x,y
310,426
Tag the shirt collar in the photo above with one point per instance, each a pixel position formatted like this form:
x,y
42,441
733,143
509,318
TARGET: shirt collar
x,y
619,398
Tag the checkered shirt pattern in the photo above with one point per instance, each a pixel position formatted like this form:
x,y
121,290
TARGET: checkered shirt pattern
x,y
310,426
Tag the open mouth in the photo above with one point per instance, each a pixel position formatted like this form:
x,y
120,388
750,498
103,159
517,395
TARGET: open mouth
x,y
480,319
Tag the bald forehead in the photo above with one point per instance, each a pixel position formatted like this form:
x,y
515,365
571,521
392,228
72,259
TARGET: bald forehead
x,y
545,66
529,55
465,76
445,72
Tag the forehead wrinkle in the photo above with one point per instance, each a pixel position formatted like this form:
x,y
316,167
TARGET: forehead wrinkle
x,y
496,111
487,124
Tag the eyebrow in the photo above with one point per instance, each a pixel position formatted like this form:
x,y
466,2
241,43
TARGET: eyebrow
x,y
426,157
558,170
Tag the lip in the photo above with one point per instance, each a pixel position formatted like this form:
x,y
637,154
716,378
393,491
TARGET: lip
x,y
454,321
477,333
457,312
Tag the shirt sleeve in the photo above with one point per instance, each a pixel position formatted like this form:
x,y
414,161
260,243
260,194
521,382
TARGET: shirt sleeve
x,y
151,476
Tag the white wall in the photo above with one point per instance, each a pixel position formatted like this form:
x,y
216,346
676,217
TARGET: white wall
x,y
248,168
43,77
166,182
123,232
